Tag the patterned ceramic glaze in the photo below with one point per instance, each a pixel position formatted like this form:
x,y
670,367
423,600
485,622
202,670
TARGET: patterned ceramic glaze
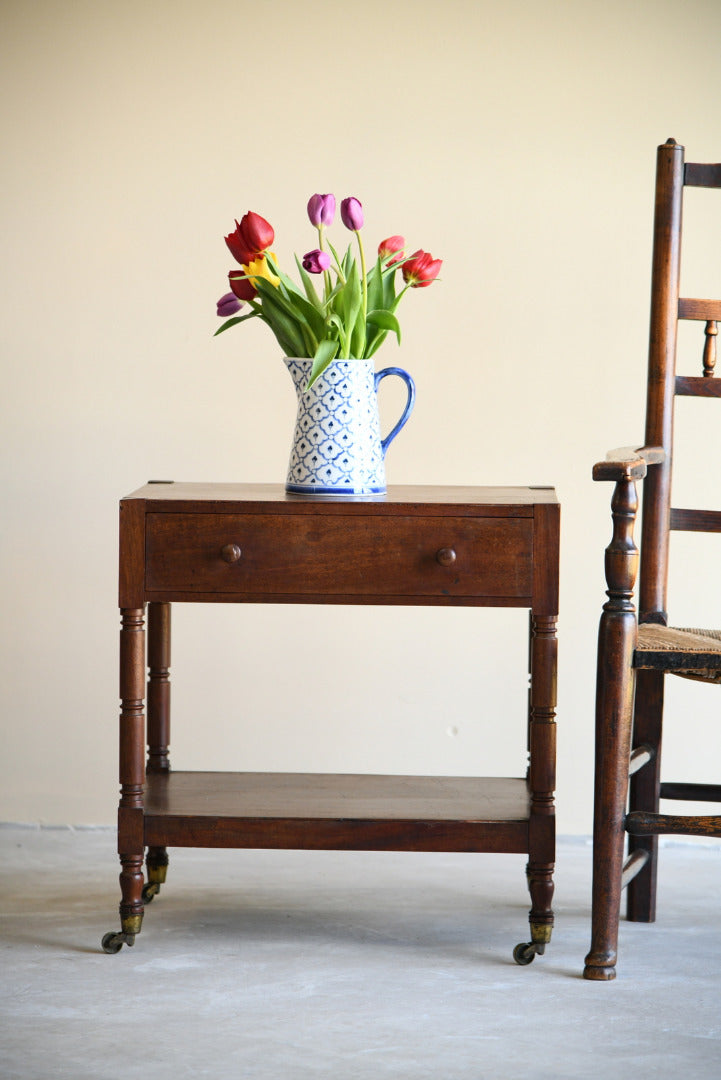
x,y
337,446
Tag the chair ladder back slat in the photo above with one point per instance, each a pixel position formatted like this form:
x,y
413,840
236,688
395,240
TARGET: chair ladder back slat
x,y
708,176
695,520
691,308
708,311
697,386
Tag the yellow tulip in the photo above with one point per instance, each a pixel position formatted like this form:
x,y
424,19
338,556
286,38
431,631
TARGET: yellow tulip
x,y
259,268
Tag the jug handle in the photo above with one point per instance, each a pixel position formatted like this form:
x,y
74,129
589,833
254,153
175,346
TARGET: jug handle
x,y
410,401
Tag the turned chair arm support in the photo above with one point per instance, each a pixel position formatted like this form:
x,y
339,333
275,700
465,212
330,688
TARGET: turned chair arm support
x,y
628,463
618,622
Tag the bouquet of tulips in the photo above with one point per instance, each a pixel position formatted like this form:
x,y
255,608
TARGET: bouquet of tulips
x,y
354,310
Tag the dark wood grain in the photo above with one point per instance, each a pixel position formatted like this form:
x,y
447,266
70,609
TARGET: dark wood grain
x,y
546,554
628,463
695,520
364,796
230,543
703,310
644,790
158,687
131,767
614,704
698,386
665,275
691,792
631,673
420,499
639,823
702,175
131,577
321,811
343,556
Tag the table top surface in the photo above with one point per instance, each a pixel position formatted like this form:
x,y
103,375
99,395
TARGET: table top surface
x,y
159,494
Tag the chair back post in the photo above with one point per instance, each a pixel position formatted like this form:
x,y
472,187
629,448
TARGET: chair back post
x,y
636,655
661,379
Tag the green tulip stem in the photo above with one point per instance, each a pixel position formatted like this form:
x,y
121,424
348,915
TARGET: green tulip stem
x,y
364,278
326,273
400,296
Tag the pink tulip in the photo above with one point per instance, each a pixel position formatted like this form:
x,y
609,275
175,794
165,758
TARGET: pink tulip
x,y
228,305
351,213
321,209
316,261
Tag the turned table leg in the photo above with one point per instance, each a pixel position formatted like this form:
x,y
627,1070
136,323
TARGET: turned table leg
x,y
132,778
158,726
542,782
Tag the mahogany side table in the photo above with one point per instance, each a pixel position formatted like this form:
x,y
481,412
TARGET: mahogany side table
x,y
252,543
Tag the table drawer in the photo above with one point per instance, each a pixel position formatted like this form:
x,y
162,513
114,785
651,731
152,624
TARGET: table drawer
x,y
259,555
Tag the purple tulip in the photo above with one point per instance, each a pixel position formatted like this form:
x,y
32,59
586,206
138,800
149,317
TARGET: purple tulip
x,y
228,305
321,209
351,213
316,261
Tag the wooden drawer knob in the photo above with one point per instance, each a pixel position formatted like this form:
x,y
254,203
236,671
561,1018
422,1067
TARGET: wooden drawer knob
x,y
231,553
446,556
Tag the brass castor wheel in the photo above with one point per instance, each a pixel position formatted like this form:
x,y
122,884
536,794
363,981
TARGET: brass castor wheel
x,y
150,889
524,953
113,941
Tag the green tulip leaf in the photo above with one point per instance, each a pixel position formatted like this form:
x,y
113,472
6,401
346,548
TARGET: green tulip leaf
x,y
234,321
296,307
375,287
389,291
288,284
358,337
282,323
348,262
386,320
301,309
324,356
309,287
375,342
337,322
352,302
338,264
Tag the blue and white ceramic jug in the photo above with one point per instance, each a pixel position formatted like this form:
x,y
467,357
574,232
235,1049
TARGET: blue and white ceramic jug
x,y
337,446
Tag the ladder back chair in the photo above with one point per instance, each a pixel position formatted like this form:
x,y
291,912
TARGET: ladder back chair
x,y
635,653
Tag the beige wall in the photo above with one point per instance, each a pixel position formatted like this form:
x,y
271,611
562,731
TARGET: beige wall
x,y
513,139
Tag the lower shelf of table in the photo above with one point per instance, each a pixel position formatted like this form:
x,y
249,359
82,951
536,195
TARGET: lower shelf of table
x,y
336,812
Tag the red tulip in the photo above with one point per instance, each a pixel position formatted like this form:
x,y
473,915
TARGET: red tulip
x,y
390,246
421,269
237,246
251,237
242,286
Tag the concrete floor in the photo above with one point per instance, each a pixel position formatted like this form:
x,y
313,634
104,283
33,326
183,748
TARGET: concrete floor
x,y
345,966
